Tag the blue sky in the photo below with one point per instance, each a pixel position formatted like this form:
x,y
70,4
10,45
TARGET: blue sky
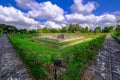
x,y
103,5
89,13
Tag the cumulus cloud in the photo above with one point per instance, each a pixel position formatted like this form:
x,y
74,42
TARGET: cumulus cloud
x,y
82,14
79,7
44,10
51,24
27,4
106,18
10,15
91,20
117,14
80,18
54,16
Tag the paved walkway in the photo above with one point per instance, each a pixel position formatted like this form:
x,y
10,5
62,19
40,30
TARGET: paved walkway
x,y
106,65
11,67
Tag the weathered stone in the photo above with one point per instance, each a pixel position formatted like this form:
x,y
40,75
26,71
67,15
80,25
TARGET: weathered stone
x,y
106,65
62,36
11,67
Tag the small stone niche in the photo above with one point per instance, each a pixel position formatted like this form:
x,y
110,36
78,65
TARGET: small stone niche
x,y
62,36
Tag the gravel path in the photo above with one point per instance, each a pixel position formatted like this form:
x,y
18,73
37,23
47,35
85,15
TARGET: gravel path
x,y
106,65
11,67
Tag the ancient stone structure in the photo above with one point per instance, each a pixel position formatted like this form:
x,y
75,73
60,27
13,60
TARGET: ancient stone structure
x,y
62,36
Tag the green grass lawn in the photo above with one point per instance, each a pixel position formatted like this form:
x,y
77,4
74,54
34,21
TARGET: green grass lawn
x,y
38,57
54,43
0,35
29,37
117,38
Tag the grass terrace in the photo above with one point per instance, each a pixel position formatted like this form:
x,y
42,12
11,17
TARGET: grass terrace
x,y
39,54
117,38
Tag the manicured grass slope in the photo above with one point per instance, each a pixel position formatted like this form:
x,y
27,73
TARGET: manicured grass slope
x,y
29,37
0,35
36,56
116,38
83,53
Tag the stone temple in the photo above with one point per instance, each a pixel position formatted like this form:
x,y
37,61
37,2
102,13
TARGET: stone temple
x,y
62,36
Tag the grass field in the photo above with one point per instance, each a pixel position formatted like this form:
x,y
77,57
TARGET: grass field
x,y
39,57
0,35
117,38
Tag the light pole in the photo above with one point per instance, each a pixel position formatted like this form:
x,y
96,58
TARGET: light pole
x,y
57,63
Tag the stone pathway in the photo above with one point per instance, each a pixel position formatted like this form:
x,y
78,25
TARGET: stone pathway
x,y
11,67
106,65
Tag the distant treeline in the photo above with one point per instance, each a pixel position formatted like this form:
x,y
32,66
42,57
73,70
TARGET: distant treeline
x,y
8,29
73,28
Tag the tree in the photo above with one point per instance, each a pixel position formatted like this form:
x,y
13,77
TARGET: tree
x,y
111,28
90,31
71,28
32,31
52,30
107,29
1,31
39,30
8,28
117,30
64,30
82,30
86,30
76,27
46,30
23,31
97,30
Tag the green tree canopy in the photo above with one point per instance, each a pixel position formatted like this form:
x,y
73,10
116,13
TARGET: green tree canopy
x,y
74,28
64,30
97,29
117,30
91,31
8,28
86,29
32,31
82,30
71,28
23,31
108,29
1,31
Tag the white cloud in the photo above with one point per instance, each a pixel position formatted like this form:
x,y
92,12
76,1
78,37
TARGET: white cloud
x,y
107,18
91,20
54,16
44,10
82,14
50,24
80,18
10,15
117,14
79,7
27,4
